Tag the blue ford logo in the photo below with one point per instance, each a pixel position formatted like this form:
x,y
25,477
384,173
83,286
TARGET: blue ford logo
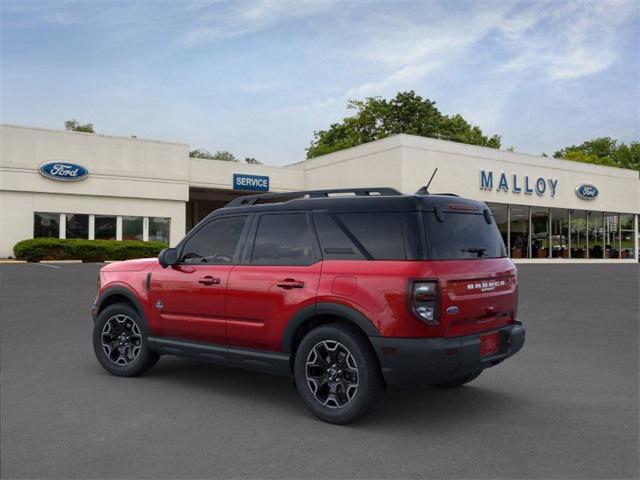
x,y
452,310
63,171
586,191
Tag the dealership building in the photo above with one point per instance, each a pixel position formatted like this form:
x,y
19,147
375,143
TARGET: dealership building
x,y
78,185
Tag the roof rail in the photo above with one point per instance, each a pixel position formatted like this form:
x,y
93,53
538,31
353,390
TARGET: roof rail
x,y
247,200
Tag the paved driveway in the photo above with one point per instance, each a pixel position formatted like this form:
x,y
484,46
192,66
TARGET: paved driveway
x,y
565,407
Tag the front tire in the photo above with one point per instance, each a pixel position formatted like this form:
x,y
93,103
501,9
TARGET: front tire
x,y
120,341
337,374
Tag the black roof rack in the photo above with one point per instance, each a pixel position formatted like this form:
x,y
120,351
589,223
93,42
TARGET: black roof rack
x,y
247,200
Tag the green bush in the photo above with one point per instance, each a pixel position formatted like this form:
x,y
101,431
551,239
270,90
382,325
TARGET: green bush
x,y
36,249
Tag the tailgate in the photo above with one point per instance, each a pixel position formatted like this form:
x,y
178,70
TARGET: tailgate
x,y
476,295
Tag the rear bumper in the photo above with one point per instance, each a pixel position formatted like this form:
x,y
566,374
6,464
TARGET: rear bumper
x,y
413,362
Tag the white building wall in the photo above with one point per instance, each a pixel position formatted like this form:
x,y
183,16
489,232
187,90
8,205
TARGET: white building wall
x,y
127,177
151,178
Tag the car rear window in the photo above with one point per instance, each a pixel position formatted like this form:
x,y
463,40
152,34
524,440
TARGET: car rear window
x,y
462,236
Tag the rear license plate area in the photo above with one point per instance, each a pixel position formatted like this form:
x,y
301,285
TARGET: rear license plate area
x,y
489,344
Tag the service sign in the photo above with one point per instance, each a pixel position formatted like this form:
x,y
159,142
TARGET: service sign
x,y
63,171
586,191
254,183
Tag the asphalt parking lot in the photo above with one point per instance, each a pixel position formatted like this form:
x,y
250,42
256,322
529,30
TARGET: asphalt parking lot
x,y
565,407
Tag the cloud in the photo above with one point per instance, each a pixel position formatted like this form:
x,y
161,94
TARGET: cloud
x,y
405,77
565,41
251,16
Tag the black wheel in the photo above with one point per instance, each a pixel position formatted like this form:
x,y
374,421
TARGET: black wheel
x,y
457,382
120,341
337,373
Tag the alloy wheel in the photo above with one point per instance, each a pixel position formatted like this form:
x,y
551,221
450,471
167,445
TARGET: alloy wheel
x,y
121,339
332,374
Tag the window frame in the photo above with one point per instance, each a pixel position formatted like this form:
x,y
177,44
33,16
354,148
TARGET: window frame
x,y
237,255
247,253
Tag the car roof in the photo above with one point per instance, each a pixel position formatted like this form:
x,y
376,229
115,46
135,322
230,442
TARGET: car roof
x,y
358,203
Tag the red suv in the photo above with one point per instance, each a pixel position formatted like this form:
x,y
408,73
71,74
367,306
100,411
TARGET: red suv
x,y
349,292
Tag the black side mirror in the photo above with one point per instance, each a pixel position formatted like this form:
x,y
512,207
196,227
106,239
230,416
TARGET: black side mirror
x,y
168,257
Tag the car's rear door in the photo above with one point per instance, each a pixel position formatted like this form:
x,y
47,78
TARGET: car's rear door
x,y
278,276
477,281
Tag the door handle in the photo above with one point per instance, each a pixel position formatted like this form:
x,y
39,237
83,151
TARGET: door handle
x,y
209,280
289,283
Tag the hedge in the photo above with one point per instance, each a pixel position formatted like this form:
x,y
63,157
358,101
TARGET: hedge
x,y
36,249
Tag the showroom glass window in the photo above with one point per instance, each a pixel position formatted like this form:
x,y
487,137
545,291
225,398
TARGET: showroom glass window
x,y
159,228
626,235
559,233
595,236
283,239
77,226
132,228
578,234
611,235
519,231
539,232
105,227
46,225
501,215
215,243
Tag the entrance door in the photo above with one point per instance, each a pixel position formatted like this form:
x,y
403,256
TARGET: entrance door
x,y
281,277
190,297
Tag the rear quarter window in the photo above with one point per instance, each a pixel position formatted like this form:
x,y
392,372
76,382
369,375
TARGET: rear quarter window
x,y
462,236
380,233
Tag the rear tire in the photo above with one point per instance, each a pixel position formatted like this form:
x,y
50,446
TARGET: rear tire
x,y
120,341
337,374
457,382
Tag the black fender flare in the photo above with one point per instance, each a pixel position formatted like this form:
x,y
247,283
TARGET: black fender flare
x,y
325,308
121,291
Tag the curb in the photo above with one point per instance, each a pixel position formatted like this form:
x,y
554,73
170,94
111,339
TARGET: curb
x,y
60,261
8,261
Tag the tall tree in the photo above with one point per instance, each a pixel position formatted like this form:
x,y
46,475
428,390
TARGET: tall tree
x,y
377,118
604,151
74,126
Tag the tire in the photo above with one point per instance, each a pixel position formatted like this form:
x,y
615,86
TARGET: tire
x,y
457,382
120,341
345,388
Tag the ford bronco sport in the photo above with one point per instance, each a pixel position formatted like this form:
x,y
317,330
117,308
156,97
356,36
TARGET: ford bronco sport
x,y
349,294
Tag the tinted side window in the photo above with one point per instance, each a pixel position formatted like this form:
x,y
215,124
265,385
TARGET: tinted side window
x,y
215,243
334,242
283,239
379,233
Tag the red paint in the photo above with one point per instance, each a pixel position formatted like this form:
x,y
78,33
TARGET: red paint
x,y
250,305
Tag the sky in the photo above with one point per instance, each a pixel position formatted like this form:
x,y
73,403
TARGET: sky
x,y
258,77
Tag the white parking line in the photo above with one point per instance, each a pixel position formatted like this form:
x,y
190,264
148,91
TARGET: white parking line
x,y
47,265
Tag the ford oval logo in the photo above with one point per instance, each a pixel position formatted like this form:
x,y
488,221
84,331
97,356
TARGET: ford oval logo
x,y
586,191
63,171
452,310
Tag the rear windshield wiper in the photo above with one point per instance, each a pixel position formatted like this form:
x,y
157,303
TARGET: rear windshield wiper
x,y
479,250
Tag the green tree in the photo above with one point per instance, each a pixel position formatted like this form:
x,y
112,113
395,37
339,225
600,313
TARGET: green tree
x,y
219,155
201,153
252,161
604,151
74,126
225,156
377,118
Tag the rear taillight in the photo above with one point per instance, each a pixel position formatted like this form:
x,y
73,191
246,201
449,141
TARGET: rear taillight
x,y
423,301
